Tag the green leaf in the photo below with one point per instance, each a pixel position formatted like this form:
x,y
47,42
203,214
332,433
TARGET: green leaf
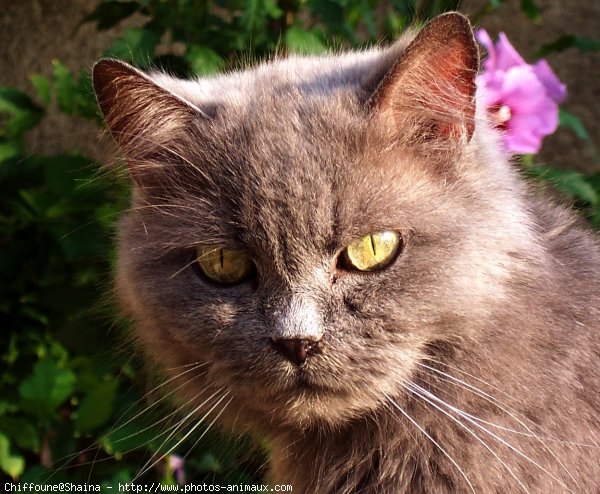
x,y
209,463
47,388
530,9
13,101
23,113
596,220
109,14
571,183
11,149
74,95
406,8
11,464
570,121
122,476
594,180
137,46
97,406
367,15
21,432
42,87
128,437
305,42
65,86
203,60
567,41
332,13
257,13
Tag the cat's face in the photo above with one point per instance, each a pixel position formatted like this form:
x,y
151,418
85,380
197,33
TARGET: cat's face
x,y
290,178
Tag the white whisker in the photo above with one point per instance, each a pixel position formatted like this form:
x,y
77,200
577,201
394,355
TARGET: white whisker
x,y
495,436
502,462
149,464
166,417
399,408
68,458
187,265
207,428
163,397
504,407
512,413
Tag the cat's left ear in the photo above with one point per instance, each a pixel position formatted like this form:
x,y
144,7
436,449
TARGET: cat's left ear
x,y
430,90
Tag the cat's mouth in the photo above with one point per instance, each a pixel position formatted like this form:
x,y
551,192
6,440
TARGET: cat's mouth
x,y
306,383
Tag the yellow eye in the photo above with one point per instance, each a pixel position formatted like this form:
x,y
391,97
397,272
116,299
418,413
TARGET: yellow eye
x,y
223,265
373,252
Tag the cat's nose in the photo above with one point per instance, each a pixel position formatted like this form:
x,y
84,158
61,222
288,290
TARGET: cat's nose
x,y
294,349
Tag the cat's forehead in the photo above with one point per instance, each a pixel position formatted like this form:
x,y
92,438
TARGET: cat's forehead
x,y
279,156
292,154
300,175
285,171
322,75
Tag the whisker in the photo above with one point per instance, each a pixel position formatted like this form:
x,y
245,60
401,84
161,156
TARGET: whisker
x,y
461,424
399,408
68,458
160,434
166,417
207,429
489,385
505,408
185,365
494,402
89,481
530,433
147,466
163,397
495,436
187,265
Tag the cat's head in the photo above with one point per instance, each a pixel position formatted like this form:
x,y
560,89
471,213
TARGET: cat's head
x,y
312,228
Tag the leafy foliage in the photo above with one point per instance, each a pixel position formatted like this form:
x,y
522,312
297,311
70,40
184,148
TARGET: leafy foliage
x,y
67,396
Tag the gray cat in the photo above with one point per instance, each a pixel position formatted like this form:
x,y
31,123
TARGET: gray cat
x,y
334,253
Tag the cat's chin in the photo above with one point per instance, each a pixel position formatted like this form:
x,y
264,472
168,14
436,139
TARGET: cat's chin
x,y
310,405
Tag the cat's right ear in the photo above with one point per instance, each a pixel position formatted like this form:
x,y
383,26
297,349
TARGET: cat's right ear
x,y
145,119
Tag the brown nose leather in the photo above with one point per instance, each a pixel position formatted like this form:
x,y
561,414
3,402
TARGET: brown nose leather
x,y
295,350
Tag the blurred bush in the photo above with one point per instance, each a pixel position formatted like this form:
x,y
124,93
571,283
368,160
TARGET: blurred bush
x,y
73,405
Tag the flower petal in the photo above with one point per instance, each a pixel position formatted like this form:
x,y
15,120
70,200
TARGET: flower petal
x,y
508,57
522,90
521,99
555,89
522,143
489,88
525,132
483,37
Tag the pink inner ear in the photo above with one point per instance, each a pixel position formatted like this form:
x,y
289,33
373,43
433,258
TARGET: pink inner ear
x,y
435,79
453,90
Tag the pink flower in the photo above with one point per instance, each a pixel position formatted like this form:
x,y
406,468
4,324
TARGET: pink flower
x,y
522,99
176,465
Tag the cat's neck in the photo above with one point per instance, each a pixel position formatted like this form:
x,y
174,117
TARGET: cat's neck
x,y
381,454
